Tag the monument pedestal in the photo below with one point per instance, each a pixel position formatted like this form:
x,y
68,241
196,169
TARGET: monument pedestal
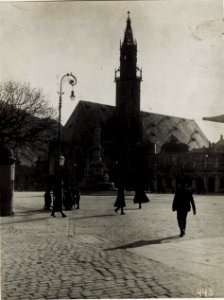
x,y
96,177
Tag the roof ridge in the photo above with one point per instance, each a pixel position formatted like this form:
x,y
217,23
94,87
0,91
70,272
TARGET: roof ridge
x,y
166,116
94,103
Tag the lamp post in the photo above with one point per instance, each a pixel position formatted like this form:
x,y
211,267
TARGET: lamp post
x,y
72,81
205,157
60,158
155,152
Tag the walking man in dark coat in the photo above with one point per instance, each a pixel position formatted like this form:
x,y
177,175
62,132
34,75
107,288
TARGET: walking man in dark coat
x,y
57,199
120,201
47,199
182,202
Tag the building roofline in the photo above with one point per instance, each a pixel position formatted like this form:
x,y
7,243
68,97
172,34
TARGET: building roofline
x,y
91,103
219,119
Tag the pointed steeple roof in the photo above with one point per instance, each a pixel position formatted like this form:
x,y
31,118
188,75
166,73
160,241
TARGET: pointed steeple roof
x,y
128,35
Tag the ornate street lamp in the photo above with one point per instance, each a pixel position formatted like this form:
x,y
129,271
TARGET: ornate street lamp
x,y
60,158
72,81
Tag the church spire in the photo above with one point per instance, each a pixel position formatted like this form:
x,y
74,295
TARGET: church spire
x,y
128,36
128,53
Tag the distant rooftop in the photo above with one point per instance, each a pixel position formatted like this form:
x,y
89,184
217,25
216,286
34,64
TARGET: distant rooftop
x,y
219,119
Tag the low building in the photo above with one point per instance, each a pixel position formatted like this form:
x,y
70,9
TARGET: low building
x,y
202,168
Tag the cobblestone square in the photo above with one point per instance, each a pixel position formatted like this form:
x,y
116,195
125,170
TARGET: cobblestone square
x,y
96,253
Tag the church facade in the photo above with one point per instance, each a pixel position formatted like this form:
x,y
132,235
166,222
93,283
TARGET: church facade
x,y
155,147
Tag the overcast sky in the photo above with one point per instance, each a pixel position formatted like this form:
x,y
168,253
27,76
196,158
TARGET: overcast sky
x,y
180,50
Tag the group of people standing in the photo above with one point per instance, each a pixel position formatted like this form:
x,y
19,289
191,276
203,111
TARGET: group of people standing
x,y
67,198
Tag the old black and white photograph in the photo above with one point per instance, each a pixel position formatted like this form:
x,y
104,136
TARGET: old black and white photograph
x,y
111,149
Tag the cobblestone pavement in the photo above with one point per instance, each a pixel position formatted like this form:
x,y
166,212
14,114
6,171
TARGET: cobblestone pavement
x,y
96,253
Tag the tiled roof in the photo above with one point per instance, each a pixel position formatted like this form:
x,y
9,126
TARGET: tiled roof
x,y
157,127
84,119
161,128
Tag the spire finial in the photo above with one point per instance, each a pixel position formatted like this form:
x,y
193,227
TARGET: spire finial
x,y
128,37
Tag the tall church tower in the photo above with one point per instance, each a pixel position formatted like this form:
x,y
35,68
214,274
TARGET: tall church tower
x,y
128,80
129,134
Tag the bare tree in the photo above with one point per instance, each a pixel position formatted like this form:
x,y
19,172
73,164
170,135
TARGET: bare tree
x,y
25,116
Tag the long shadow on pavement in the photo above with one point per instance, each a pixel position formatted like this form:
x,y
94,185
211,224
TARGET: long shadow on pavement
x,y
35,212
136,208
142,243
24,210
24,221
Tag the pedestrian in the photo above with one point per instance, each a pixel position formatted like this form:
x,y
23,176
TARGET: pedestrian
x,y
47,199
57,200
182,202
140,197
76,197
120,201
67,199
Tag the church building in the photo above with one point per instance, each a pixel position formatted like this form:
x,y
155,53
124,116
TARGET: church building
x,y
126,133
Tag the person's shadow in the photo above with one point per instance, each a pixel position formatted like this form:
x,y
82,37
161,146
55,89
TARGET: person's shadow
x,y
142,243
